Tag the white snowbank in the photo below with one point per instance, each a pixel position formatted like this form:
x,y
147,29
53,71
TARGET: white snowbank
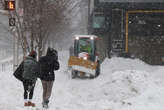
x,y
120,64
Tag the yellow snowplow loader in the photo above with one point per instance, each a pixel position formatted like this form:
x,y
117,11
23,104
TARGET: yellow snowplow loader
x,y
83,59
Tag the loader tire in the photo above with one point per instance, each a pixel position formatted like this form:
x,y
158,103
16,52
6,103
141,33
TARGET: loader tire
x,y
98,69
92,77
74,74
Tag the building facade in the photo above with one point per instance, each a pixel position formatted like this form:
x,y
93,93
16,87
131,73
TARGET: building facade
x,y
129,28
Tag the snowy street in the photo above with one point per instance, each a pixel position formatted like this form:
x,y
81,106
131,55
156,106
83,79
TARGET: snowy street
x,y
128,84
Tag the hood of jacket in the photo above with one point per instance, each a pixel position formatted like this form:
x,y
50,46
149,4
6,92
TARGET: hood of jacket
x,y
52,52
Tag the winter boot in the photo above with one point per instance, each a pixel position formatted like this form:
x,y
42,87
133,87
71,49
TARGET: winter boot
x,y
31,104
45,104
26,104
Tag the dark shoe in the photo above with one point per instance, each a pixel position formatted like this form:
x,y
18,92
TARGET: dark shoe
x,y
45,104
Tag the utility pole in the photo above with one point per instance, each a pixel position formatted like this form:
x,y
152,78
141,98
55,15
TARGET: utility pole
x,y
15,52
16,45
11,6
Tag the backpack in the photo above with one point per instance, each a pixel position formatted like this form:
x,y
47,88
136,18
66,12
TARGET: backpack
x,y
18,74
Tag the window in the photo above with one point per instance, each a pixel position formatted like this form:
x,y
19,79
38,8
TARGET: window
x,y
85,45
99,22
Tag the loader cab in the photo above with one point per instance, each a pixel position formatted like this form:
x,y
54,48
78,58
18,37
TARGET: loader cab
x,y
85,47
84,61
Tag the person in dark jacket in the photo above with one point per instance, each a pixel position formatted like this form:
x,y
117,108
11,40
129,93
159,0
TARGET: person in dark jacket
x,y
48,64
30,74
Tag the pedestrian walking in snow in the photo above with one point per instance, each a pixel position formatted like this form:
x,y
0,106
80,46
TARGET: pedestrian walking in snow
x,y
30,74
48,64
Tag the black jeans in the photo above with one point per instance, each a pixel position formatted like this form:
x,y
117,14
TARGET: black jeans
x,y
28,88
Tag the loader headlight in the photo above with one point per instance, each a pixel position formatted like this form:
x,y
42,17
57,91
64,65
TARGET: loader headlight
x,y
85,58
77,38
91,38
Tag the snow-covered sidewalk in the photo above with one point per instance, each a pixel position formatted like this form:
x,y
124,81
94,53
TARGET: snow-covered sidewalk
x,y
128,84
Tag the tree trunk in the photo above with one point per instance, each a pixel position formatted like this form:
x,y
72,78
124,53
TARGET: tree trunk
x,y
32,41
40,47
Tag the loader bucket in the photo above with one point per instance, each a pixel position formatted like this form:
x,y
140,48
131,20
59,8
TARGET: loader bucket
x,y
83,65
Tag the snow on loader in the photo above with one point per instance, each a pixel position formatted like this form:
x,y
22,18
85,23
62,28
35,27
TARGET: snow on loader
x,y
83,59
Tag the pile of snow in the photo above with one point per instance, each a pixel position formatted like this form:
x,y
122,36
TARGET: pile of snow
x,y
120,64
126,84
129,84
133,85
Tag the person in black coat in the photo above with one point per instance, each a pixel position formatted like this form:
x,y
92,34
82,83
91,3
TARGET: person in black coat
x,y
48,64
